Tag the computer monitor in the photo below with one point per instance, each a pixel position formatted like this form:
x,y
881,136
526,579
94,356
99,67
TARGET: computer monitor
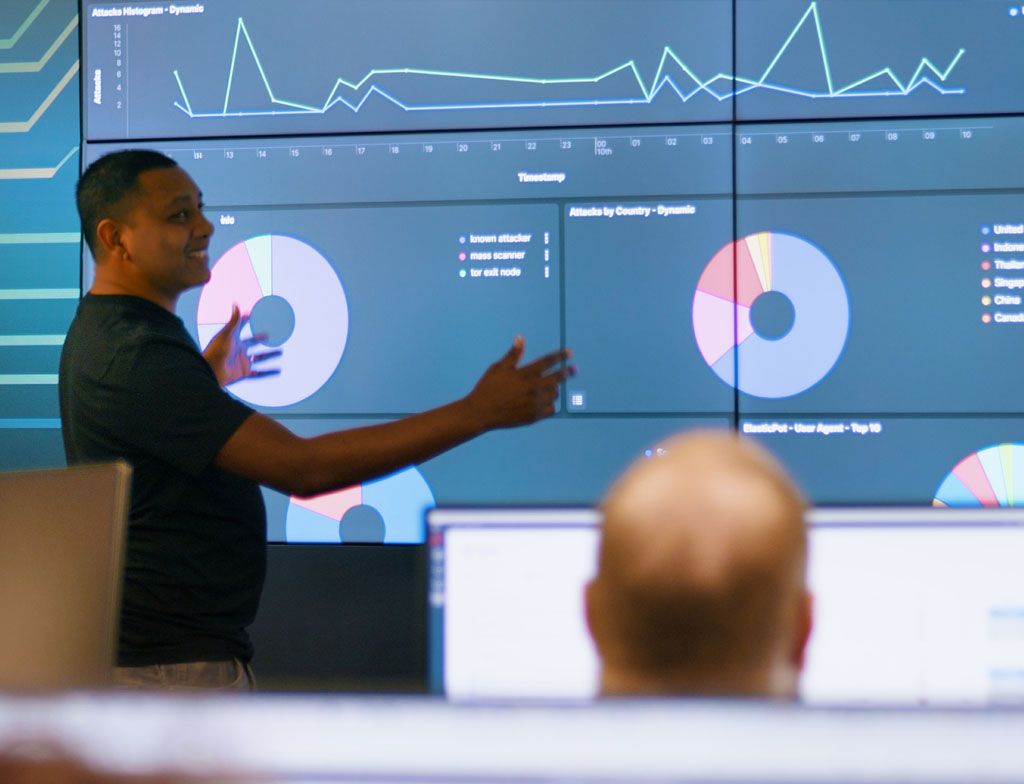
x,y
505,601
912,606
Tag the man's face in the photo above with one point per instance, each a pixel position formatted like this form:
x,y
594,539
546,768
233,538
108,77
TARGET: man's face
x,y
165,232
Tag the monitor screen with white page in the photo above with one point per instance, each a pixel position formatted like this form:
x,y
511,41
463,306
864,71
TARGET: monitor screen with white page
x,y
912,606
506,602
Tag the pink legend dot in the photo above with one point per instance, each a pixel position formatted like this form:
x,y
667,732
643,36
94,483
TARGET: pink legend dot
x,y
985,283
985,318
986,265
462,257
986,248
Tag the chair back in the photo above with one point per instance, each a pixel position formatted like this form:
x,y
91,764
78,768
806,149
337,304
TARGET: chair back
x,y
62,538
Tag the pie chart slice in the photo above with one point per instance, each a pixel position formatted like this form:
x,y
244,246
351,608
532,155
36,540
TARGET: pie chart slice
x,y
233,281
953,492
724,305
987,477
288,269
399,501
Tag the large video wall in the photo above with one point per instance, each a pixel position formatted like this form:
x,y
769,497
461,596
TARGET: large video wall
x,y
804,220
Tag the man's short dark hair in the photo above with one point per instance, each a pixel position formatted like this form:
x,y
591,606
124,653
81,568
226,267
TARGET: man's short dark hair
x,y
107,181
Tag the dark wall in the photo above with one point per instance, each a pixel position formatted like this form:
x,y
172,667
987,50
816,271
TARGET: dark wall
x,y
349,618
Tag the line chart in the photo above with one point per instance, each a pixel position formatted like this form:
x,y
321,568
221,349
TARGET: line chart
x,y
673,76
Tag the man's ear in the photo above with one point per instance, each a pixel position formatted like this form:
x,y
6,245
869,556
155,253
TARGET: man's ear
x,y
108,237
803,627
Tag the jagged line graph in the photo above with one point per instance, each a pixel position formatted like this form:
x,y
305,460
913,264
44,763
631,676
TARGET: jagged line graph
x,y
927,74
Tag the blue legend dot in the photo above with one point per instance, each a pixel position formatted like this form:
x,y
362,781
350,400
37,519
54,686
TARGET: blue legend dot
x,y
985,230
462,240
462,273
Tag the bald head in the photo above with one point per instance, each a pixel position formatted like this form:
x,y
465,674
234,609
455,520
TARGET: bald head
x,y
700,585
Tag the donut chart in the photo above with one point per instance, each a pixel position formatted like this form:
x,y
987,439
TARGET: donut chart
x,y
388,510
287,273
799,282
988,477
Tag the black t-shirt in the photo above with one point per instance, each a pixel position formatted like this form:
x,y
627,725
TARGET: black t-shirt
x,y
133,385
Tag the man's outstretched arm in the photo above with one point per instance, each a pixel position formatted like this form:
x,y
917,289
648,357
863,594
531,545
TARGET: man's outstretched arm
x,y
506,395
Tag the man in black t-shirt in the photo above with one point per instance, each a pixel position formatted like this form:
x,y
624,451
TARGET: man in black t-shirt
x,y
134,385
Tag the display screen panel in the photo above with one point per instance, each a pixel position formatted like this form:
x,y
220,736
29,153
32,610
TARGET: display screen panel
x,y
237,68
877,58
392,270
803,220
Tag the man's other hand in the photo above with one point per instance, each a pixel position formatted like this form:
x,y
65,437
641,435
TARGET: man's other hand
x,y
508,395
228,352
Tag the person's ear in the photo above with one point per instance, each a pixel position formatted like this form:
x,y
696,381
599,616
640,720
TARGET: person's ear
x,y
803,628
108,237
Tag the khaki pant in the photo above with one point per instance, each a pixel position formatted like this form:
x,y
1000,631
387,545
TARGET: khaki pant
x,y
232,675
